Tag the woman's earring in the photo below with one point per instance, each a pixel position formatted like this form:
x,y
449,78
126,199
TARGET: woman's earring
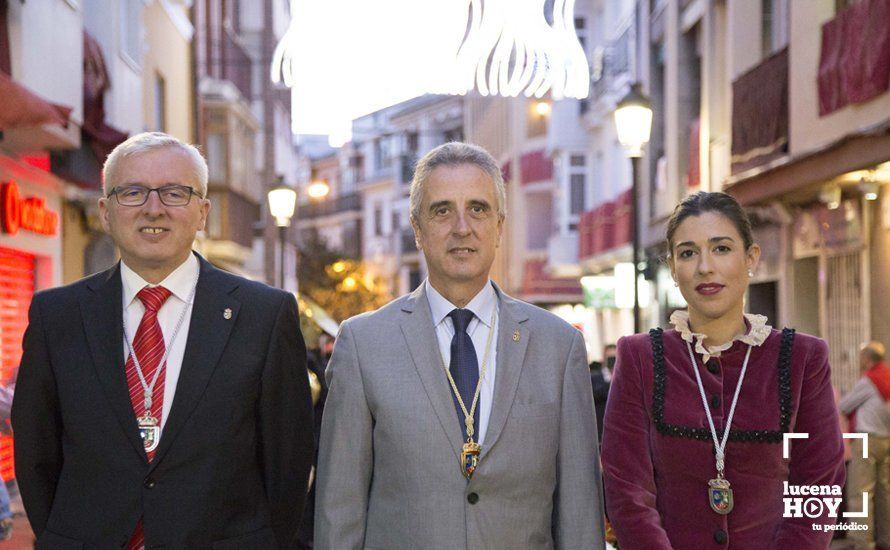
x,y
676,283
750,273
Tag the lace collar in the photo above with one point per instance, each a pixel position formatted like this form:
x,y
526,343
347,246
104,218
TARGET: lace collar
x,y
758,331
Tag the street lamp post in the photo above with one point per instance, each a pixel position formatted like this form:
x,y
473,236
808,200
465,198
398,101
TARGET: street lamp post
x,y
633,121
282,202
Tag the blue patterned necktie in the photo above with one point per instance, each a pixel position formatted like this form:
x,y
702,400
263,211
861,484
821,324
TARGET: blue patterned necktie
x,y
464,367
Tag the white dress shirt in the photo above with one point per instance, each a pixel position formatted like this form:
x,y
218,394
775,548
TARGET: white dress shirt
x,y
482,305
180,284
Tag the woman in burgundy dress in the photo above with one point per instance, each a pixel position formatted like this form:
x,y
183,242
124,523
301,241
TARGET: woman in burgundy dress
x,y
673,478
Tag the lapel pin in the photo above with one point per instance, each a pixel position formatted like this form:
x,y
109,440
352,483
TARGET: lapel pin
x,y
227,313
515,335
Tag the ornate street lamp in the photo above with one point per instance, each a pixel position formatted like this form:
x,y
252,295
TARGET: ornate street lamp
x,y
633,121
282,203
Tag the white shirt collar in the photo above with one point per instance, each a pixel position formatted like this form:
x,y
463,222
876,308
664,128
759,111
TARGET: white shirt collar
x,y
758,331
179,282
481,305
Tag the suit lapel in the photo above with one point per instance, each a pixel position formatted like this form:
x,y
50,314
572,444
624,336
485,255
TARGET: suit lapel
x,y
208,334
420,336
513,340
102,314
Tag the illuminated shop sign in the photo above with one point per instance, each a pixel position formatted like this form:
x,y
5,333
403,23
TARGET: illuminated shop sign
x,y
30,214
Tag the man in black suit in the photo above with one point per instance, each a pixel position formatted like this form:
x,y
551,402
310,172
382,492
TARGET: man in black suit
x,y
162,403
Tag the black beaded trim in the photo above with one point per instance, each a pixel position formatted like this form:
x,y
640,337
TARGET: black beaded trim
x,y
703,434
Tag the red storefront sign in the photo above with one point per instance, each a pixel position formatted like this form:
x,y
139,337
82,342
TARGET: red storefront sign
x,y
30,213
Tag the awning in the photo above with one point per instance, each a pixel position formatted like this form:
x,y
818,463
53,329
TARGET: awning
x,y
539,286
21,107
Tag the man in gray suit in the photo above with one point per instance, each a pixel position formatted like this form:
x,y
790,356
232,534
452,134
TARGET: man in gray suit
x,y
457,416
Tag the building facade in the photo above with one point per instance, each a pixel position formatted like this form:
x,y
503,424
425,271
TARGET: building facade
x,y
779,104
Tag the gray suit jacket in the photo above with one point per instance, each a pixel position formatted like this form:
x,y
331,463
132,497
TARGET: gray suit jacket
x,y
389,475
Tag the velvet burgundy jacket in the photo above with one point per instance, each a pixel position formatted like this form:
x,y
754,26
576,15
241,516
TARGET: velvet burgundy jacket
x,y
658,453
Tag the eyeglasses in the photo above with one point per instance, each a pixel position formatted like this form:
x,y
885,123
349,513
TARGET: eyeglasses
x,y
137,195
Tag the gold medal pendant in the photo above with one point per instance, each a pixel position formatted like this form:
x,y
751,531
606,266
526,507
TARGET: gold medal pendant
x,y
720,496
149,431
469,458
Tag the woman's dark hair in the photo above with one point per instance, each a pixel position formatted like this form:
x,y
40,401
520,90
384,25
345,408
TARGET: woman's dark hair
x,y
704,201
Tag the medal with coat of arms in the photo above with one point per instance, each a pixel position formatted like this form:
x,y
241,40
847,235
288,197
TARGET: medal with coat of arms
x,y
720,495
149,431
469,458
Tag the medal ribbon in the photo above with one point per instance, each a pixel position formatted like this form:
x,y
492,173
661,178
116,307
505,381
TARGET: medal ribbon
x,y
719,445
468,415
148,389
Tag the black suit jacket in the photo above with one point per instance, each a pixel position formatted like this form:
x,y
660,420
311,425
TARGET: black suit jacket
x,y
233,461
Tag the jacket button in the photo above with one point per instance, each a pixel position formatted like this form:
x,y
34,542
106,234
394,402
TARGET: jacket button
x,y
713,366
149,483
720,536
472,498
715,401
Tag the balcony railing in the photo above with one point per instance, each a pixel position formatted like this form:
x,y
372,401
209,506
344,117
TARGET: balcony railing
x,y
605,227
760,113
237,217
535,166
852,65
610,62
344,203
236,66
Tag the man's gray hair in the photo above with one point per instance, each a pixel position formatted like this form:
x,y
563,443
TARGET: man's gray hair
x,y
151,141
452,154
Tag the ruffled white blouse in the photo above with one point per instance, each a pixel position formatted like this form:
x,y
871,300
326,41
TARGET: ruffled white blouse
x,y
757,333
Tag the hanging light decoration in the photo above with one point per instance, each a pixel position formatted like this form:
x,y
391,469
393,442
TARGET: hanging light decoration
x,y
412,47
512,48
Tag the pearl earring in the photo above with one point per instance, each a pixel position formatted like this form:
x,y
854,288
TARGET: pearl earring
x,y
750,273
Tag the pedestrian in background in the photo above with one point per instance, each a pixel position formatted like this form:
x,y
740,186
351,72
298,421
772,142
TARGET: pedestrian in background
x,y
164,402
316,363
6,523
457,416
867,406
692,447
600,380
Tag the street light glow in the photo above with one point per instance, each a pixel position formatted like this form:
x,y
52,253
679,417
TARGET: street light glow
x,y
318,189
282,203
349,284
633,121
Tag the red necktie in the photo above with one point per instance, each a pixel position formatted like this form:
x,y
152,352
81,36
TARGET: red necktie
x,y
149,347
